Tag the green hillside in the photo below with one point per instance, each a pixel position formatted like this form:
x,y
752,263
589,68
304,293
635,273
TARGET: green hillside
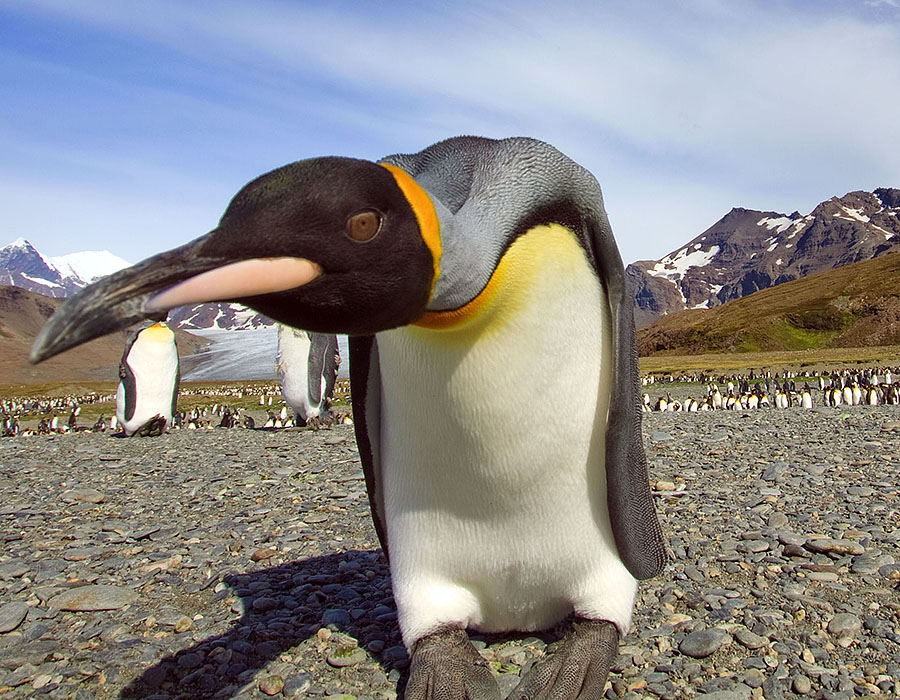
x,y
856,305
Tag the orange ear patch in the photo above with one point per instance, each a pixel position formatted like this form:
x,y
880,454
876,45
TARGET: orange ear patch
x,y
423,208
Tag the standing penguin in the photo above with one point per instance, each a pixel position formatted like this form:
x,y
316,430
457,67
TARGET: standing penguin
x,y
307,365
456,271
148,381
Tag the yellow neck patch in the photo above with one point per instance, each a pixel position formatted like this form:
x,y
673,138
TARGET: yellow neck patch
x,y
423,208
526,259
158,332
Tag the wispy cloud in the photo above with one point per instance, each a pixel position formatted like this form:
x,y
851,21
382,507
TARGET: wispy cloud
x,y
681,112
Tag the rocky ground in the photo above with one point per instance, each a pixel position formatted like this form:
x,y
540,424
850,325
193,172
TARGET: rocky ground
x,y
242,564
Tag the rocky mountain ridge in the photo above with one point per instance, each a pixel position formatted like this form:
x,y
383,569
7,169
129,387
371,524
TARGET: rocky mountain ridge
x,y
21,265
748,250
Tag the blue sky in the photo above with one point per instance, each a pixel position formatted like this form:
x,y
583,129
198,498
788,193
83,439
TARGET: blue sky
x,y
128,126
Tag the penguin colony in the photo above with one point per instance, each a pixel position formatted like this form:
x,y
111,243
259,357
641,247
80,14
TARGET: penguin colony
x,y
62,415
837,388
456,272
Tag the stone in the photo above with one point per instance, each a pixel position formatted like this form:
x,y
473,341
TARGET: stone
x,y
86,495
703,643
296,685
835,546
843,624
801,685
92,598
336,617
750,640
344,656
11,615
739,692
271,685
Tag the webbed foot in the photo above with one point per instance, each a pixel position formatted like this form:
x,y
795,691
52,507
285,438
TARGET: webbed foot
x,y
577,667
152,428
445,666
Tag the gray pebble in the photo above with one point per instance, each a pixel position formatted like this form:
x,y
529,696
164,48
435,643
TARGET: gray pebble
x,y
801,685
87,495
93,598
11,615
703,643
843,624
835,546
343,656
296,685
749,639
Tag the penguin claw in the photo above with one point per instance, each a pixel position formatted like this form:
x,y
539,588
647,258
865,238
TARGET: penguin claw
x,y
577,668
445,666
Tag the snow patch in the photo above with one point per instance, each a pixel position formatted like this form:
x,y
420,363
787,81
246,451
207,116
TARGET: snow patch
x,y
780,223
856,214
887,234
779,261
39,280
673,266
771,247
88,265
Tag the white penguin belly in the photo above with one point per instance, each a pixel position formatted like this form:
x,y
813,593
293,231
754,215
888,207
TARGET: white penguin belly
x,y
494,476
155,366
292,368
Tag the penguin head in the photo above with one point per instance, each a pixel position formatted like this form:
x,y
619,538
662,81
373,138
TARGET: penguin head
x,y
334,245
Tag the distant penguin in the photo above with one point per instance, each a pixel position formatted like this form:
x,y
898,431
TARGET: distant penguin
x,y
847,395
806,397
307,366
872,396
148,381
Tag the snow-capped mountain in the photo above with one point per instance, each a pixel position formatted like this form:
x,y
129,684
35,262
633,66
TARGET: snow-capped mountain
x,y
87,266
748,250
21,265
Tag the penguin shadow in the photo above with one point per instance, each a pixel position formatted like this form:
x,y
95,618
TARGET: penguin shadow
x,y
348,592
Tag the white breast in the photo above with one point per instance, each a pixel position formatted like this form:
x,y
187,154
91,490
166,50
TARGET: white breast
x,y
154,364
493,438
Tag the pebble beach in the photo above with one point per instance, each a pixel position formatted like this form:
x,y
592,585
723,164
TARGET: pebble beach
x,y
243,564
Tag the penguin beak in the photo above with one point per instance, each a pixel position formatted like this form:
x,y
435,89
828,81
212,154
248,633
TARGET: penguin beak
x,y
178,277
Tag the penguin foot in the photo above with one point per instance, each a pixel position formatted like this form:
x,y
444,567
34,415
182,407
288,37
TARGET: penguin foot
x,y
577,668
152,428
445,666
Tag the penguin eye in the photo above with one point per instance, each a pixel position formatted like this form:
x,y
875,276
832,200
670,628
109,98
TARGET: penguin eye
x,y
364,225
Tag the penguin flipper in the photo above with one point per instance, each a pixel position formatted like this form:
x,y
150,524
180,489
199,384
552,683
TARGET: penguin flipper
x,y
578,666
365,395
633,517
445,666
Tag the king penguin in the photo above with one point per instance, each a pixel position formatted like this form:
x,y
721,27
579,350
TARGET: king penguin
x,y
307,366
148,381
472,276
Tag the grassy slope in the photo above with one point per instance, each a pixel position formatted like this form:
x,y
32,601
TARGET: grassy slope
x,y
853,306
